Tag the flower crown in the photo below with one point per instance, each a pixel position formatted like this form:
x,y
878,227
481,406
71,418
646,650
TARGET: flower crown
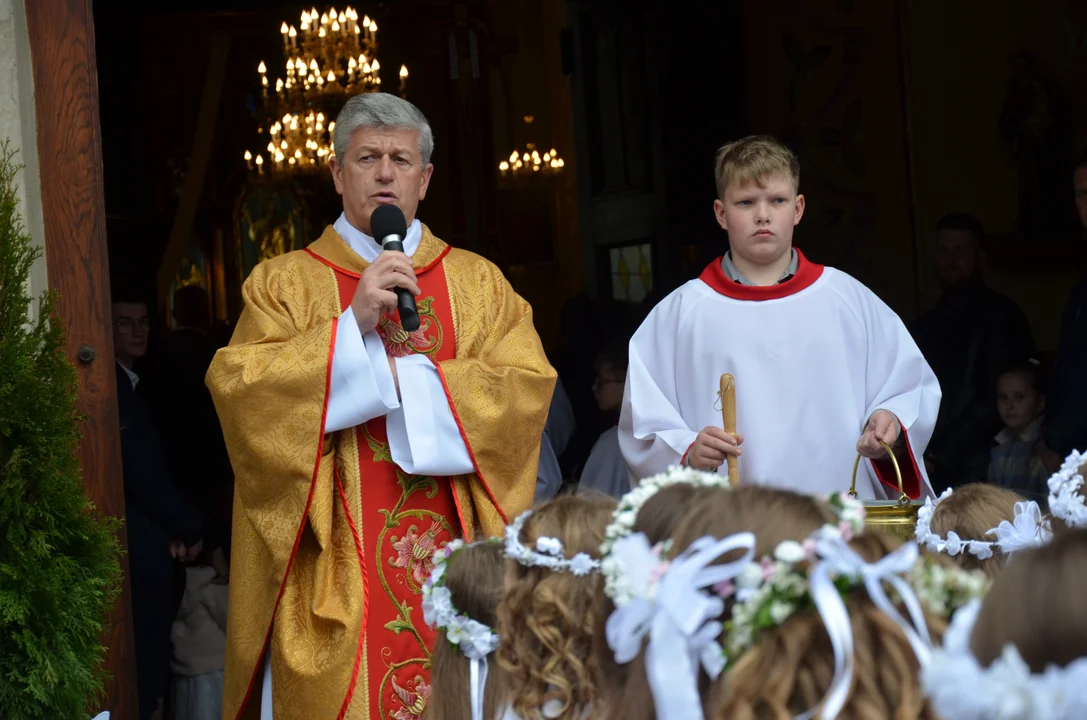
x,y
474,639
625,514
548,552
959,687
617,582
1065,499
672,603
1028,529
772,590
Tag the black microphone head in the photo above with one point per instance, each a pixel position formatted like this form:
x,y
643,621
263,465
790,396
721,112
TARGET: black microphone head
x,y
388,220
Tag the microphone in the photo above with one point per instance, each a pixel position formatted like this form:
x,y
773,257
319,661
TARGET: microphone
x,y
389,227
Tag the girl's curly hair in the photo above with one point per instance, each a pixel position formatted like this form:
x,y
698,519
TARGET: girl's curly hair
x,y
545,619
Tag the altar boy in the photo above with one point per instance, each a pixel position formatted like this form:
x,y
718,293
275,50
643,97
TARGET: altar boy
x,y
824,369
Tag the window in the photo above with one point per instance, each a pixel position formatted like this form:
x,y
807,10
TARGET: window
x,y
631,272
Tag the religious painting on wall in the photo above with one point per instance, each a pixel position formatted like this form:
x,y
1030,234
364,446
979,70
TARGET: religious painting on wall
x,y
270,220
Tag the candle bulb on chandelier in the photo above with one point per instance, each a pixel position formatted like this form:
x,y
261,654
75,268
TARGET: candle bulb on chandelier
x,y
293,34
248,159
403,79
260,164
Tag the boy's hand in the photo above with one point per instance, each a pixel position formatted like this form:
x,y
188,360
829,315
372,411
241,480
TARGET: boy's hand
x,y
711,447
882,428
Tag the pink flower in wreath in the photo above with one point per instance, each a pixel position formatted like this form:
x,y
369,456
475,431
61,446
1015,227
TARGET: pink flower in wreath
x,y
415,701
416,552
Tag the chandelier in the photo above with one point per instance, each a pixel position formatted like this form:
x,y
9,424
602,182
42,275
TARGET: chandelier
x,y
522,163
328,58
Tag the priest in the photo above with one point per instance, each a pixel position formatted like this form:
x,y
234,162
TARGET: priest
x,y
360,447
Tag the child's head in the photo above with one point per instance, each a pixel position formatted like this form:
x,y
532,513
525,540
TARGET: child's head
x,y
971,511
772,515
545,619
1020,395
788,670
658,519
1037,605
611,376
474,576
758,197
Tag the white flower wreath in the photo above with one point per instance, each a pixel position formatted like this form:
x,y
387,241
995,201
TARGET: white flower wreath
x,y
548,552
816,573
1028,529
959,687
616,585
1065,499
474,639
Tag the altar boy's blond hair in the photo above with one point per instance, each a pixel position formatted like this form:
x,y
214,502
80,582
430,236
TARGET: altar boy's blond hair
x,y
751,159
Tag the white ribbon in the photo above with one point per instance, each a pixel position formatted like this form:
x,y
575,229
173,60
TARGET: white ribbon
x,y
838,559
681,621
478,682
1026,531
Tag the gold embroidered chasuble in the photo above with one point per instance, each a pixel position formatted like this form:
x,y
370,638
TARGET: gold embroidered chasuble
x,y
330,538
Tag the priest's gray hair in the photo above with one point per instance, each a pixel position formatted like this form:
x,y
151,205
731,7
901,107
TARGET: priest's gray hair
x,y
381,110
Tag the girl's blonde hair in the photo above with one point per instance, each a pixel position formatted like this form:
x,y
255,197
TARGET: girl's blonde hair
x,y
474,577
772,515
545,619
971,511
657,519
789,669
1036,604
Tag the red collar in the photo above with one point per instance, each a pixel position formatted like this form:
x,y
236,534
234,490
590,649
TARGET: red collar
x,y
806,274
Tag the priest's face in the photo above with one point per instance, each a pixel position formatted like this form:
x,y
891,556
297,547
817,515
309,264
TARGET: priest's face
x,y
760,217
381,166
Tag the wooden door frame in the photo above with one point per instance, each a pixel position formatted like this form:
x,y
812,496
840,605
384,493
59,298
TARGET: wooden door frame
x,y
74,209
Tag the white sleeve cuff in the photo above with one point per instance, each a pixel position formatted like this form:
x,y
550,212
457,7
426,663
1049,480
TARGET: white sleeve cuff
x,y
434,446
362,385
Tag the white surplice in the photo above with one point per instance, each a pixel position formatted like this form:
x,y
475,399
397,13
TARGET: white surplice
x,y
813,357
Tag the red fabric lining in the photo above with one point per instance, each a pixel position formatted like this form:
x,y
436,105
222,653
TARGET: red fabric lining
x,y
911,473
683,460
365,597
301,526
806,273
468,447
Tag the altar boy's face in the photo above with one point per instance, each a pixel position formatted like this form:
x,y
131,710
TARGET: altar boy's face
x,y
760,217
381,166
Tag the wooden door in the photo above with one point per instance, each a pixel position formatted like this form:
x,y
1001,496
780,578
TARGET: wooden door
x,y
73,203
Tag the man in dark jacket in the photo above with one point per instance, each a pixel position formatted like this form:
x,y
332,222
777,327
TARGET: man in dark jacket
x,y
968,338
1066,417
161,526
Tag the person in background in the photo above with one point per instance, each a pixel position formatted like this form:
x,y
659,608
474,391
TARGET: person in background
x,y
192,439
605,471
160,524
1066,422
557,433
968,338
1016,461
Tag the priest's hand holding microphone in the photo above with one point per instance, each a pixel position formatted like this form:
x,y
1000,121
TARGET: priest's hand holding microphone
x,y
389,283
